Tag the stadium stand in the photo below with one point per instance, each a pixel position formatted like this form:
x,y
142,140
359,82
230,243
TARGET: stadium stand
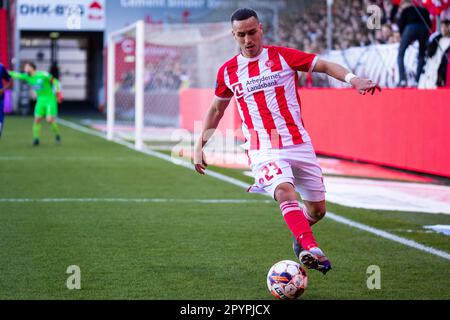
x,y
305,30
353,40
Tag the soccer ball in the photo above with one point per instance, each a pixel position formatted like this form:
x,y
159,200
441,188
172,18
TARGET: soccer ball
x,y
287,280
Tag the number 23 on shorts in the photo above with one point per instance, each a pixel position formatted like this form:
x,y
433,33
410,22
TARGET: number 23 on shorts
x,y
269,171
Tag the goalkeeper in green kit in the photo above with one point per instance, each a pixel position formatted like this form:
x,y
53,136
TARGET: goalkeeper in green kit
x,y
48,96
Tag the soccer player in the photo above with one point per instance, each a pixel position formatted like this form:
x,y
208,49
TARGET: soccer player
x,y
264,82
48,96
3,76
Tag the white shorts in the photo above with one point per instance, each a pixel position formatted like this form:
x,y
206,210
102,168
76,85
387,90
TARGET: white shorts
x,y
295,164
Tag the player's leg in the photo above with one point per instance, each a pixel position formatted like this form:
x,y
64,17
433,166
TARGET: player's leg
x,y
309,182
55,128
422,37
406,40
309,253
52,112
293,215
39,114
314,210
37,124
313,258
274,176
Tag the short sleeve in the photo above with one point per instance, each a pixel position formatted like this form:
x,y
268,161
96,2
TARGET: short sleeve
x,y
221,89
298,60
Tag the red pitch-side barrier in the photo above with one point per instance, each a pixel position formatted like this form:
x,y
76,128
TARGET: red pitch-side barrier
x,y
194,103
4,57
402,128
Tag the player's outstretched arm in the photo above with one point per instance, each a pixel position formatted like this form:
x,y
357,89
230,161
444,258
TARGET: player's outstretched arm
x,y
340,73
18,75
212,119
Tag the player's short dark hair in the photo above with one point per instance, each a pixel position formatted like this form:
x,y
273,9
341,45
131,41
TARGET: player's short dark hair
x,y
243,14
446,22
30,63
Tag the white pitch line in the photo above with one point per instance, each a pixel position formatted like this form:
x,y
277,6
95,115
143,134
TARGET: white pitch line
x,y
330,215
389,236
29,158
137,200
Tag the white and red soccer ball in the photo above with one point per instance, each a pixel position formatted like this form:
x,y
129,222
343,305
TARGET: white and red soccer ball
x,y
287,280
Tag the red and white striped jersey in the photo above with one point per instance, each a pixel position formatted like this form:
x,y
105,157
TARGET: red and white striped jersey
x,y
265,89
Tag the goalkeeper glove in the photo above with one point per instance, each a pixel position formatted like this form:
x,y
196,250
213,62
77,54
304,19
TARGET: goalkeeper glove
x,y
59,97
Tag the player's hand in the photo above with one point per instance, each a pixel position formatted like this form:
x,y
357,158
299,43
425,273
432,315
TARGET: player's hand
x,y
365,85
59,97
199,161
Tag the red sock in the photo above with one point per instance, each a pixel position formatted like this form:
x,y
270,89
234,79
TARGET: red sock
x,y
298,224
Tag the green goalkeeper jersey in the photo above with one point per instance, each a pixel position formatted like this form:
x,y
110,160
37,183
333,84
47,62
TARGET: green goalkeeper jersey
x,y
44,84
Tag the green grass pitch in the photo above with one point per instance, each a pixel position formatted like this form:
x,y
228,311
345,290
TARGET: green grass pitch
x,y
178,249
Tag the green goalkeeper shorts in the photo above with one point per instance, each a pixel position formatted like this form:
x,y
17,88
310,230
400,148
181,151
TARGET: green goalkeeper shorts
x,y
46,107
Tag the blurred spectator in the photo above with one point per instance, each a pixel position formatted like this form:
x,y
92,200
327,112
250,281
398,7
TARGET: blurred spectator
x,y
164,76
127,81
54,70
394,10
414,24
436,68
396,37
306,30
385,34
